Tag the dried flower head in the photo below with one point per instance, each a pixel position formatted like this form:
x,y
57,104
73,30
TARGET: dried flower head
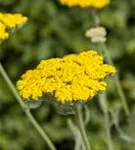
x,y
68,79
97,31
97,34
86,3
98,39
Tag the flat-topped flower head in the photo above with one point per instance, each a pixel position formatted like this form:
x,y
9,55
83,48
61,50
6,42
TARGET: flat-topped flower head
x,y
72,78
3,33
86,3
12,20
97,34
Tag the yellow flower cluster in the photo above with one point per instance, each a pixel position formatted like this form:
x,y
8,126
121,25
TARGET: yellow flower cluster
x,y
3,33
10,21
68,79
86,3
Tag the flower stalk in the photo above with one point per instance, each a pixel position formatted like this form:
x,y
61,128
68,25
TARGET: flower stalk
x,y
81,127
103,104
116,80
26,109
110,61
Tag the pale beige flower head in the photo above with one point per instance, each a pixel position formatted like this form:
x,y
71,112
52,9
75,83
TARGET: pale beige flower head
x,y
97,34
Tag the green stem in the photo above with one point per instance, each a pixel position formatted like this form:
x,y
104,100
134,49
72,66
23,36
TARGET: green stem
x,y
26,109
81,127
117,81
102,100
109,59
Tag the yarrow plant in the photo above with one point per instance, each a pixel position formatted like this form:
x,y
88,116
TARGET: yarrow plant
x,y
86,3
97,35
69,79
73,79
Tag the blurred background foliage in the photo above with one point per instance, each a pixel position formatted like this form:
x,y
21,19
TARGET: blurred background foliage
x,y
54,30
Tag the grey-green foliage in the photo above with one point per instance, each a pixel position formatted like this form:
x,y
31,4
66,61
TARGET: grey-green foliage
x,y
54,30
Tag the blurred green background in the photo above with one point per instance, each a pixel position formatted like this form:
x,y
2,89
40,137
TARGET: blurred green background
x,y
54,30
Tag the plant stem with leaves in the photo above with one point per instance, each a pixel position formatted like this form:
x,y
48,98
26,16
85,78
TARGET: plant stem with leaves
x,y
110,61
116,80
26,109
103,104
81,127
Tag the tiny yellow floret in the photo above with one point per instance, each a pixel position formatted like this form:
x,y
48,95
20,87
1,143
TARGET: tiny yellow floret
x,y
86,3
68,79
